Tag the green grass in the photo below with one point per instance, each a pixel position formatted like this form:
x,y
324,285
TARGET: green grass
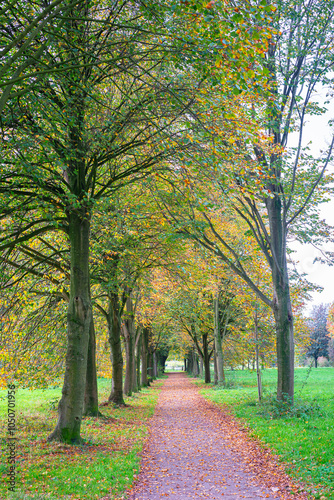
x,y
303,437
105,465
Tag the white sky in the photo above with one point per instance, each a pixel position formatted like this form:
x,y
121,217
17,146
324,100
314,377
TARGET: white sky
x,y
318,131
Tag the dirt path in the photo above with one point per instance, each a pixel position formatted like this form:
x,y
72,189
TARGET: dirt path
x,y
196,451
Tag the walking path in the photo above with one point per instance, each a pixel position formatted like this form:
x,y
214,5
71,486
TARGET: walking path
x,y
195,450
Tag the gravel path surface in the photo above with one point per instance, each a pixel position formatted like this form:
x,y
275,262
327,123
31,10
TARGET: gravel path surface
x,y
195,450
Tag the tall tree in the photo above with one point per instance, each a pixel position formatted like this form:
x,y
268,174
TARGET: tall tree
x,y
274,189
319,334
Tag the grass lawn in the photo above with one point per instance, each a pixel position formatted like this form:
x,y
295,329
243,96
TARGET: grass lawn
x,y
303,438
104,465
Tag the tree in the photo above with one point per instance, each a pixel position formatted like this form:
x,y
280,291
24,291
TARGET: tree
x,y
77,139
249,169
319,334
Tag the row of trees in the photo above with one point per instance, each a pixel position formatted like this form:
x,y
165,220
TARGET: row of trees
x,y
146,179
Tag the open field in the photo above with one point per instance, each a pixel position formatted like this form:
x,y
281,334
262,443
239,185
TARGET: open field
x,y
304,437
105,464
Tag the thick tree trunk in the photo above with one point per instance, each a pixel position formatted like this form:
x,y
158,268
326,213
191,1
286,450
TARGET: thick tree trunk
x,y
163,359
150,364
315,361
79,318
114,324
91,404
129,340
281,302
285,346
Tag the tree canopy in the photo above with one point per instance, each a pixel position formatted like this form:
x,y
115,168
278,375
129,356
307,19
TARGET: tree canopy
x,y
153,173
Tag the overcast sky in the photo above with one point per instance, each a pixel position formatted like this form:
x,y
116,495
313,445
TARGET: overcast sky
x,y
318,131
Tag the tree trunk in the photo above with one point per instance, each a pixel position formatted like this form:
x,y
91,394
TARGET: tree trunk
x,y
219,344
163,359
201,369
215,369
138,358
91,404
114,325
144,355
195,364
190,363
281,299
315,361
284,336
135,382
258,371
79,318
129,340
206,359
150,364
155,365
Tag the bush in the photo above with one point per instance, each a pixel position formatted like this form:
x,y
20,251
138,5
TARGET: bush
x,y
272,408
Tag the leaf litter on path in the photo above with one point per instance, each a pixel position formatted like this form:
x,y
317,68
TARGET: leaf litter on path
x,y
196,450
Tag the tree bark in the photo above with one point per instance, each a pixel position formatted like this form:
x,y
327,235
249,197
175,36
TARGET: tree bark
x,y
138,358
128,343
195,364
201,368
79,318
135,382
191,363
281,303
155,365
114,325
215,370
144,355
206,359
129,340
284,340
91,404
278,260
218,344
163,358
150,363
258,371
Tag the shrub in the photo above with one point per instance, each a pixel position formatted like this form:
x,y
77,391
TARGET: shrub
x,y
272,408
